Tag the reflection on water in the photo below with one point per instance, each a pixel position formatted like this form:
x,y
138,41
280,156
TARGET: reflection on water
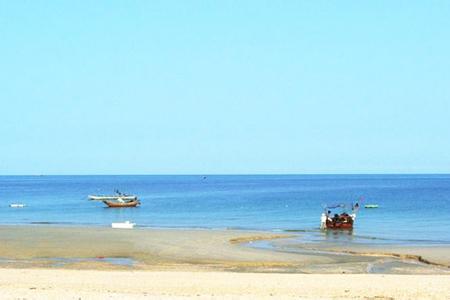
x,y
338,235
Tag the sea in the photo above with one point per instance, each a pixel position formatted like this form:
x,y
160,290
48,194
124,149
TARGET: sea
x,y
412,209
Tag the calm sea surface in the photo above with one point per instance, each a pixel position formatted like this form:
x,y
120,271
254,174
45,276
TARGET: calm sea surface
x,y
412,208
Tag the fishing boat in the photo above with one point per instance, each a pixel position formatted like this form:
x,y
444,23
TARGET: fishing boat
x,y
112,197
117,200
336,216
121,203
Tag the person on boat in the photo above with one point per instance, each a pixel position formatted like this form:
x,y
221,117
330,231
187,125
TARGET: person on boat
x,y
344,218
350,220
328,220
323,221
335,219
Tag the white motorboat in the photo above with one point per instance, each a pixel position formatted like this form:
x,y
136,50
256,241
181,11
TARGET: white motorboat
x,y
111,197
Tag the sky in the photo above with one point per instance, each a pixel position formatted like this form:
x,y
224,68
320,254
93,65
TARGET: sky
x,y
224,87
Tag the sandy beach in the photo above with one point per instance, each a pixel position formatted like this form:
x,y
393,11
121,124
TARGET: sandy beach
x,y
45,262
94,284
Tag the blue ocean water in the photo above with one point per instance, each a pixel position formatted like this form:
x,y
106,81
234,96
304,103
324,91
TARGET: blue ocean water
x,y
412,208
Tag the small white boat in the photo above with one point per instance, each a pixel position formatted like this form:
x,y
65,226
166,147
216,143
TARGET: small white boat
x,y
117,196
123,225
17,205
103,198
371,206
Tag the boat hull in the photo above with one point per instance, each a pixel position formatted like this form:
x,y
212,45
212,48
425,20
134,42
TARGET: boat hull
x,y
115,204
331,225
339,225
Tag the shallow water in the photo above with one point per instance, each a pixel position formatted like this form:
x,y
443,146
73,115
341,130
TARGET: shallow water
x,y
343,262
414,209
61,262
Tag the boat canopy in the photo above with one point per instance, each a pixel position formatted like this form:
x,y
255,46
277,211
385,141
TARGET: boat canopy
x,y
343,206
332,206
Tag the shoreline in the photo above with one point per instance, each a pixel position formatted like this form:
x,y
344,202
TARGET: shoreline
x,y
362,239
104,248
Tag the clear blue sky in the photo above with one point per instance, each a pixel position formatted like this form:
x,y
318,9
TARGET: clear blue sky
x,y
170,87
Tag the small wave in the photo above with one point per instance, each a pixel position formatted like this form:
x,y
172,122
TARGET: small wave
x,y
366,237
369,237
301,230
47,223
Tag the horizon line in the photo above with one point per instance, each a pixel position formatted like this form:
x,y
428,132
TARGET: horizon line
x,y
230,174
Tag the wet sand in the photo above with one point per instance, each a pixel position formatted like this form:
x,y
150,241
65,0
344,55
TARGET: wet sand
x,y
44,262
45,246
206,250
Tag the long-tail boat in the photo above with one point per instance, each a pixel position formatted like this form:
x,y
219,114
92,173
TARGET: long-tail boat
x,y
118,203
341,219
117,200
